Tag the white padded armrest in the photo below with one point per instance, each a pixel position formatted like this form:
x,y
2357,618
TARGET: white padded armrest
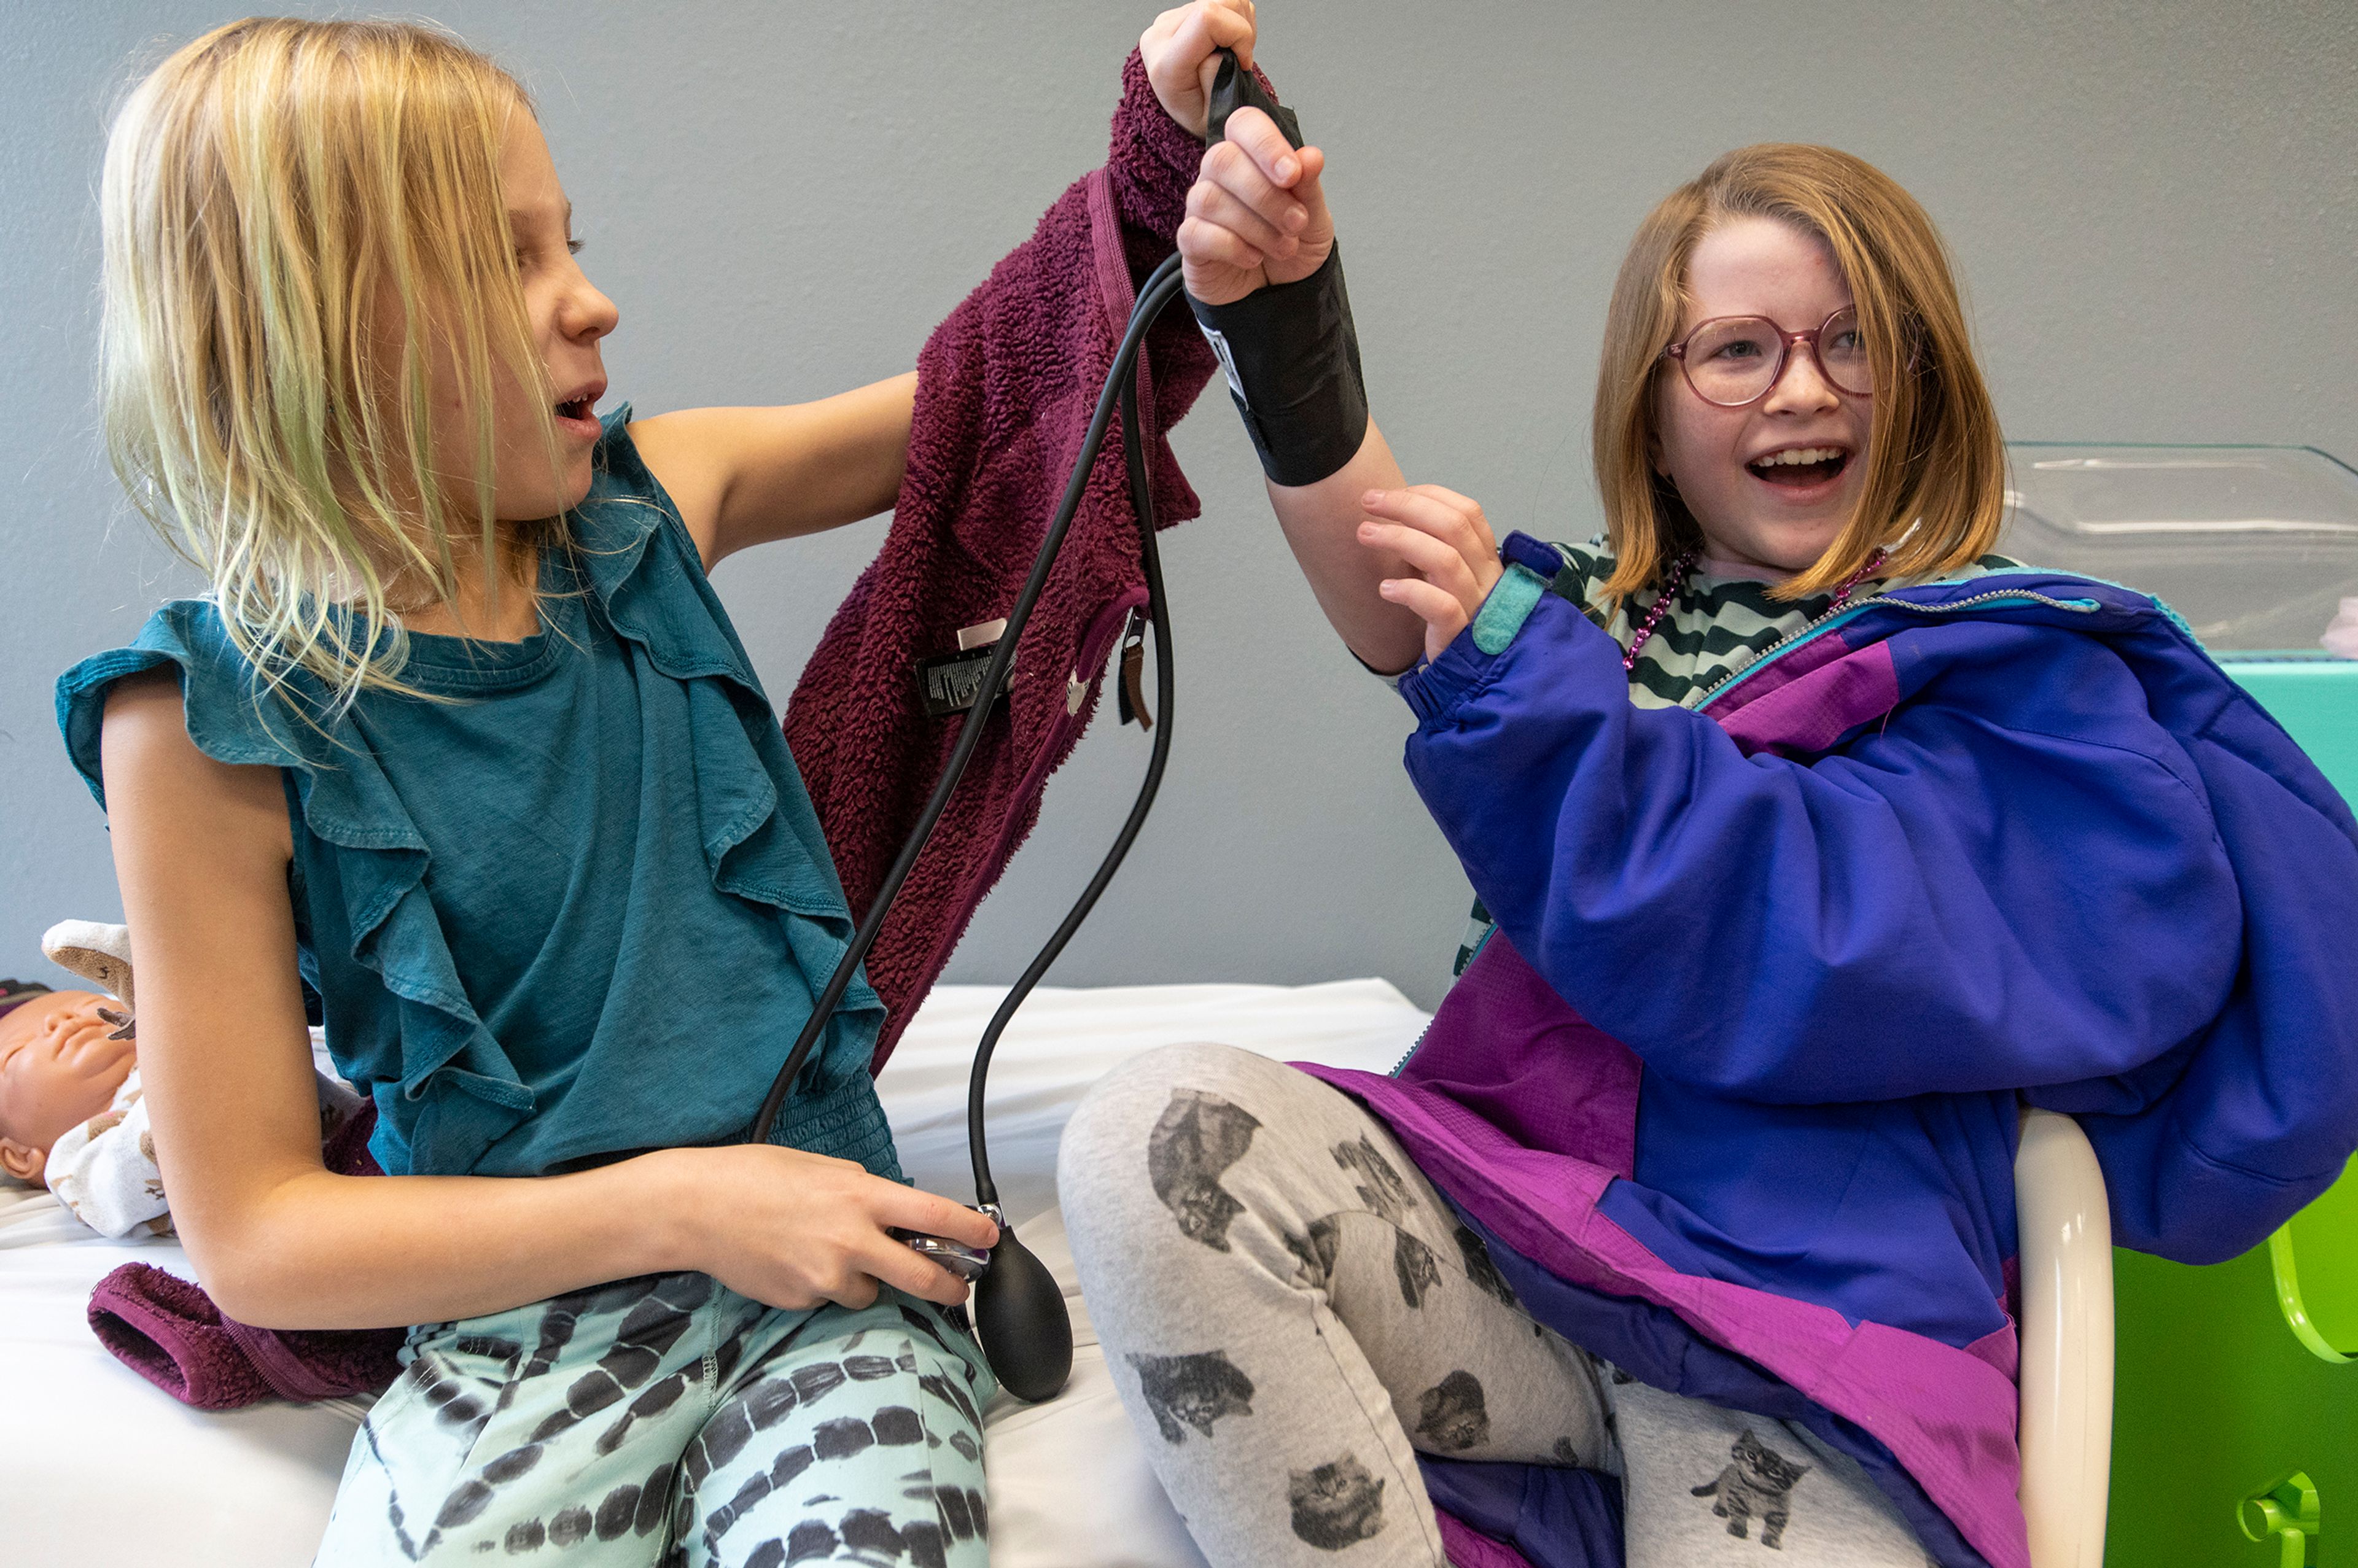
x,y
2066,1342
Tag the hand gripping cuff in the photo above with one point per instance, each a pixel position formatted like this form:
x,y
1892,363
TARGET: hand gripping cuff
x,y
1293,359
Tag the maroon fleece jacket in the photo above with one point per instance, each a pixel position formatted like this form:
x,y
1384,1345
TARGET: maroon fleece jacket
x,y
1005,389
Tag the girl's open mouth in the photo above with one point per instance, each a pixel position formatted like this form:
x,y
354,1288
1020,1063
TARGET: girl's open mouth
x,y
578,415
1800,468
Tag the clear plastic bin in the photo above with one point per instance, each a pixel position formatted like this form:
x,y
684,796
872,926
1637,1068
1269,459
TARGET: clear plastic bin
x,y
2256,547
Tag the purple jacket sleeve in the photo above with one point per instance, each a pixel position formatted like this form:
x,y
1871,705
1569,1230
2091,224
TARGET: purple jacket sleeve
x,y
2013,882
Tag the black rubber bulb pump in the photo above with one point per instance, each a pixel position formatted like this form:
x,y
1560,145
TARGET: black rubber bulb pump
x,y
1019,1314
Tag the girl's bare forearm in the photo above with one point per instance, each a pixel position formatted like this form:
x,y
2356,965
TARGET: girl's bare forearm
x,y
320,1250
1321,523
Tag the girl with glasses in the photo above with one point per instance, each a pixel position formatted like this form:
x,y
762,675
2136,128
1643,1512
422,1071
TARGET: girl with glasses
x,y
1814,842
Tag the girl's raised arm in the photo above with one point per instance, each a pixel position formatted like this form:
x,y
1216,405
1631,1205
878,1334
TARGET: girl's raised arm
x,y
1258,218
746,476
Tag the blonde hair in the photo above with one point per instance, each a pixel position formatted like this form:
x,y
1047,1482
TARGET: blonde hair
x,y
298,218
1935,474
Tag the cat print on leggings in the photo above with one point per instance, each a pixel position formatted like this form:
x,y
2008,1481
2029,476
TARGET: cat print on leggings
x,y
1758,1482
1482,1271
1335,1505
1191,1391
1196,1139
1452,1416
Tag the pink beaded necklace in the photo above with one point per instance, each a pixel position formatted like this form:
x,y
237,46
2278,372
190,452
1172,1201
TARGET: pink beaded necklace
x,y
1685,568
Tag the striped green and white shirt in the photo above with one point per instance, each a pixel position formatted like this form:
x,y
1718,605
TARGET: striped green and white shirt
x,y
1715,627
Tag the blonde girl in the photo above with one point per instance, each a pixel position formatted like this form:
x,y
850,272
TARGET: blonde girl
x,y
463,752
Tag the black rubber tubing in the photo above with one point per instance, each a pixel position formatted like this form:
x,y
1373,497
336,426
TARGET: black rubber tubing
x,y
1163,286
1158,615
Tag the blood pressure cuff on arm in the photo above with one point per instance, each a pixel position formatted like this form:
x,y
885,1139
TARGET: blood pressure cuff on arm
x,y
1292,360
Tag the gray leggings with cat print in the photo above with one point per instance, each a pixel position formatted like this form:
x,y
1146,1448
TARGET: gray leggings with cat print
x,y
1289,1310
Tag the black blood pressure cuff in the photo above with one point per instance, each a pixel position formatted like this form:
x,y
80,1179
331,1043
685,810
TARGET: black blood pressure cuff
x,y
1293,359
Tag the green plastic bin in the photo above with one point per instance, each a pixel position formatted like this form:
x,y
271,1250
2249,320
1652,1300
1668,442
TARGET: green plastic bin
x,y
2231,1378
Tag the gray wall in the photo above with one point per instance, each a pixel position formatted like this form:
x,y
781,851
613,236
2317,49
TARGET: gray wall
x,y
2154,207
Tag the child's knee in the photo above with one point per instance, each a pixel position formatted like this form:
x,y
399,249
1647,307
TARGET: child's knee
x,y
1109,1126
1209,1143
870,1442
1213,1096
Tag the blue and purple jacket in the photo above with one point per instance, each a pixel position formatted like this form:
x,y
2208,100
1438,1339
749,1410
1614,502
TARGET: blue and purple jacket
x,y
1733,1092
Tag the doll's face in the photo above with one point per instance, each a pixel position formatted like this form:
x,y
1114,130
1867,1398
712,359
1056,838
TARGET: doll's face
x,y
58,1069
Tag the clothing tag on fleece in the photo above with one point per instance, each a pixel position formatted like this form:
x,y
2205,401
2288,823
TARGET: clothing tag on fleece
x,y
1131,691
951,683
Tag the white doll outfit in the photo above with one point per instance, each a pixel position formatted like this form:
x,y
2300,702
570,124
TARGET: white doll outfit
x,y
105,1170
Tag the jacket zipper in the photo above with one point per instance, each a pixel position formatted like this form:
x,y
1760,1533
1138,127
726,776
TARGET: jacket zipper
x,y
1399,1067
1825,621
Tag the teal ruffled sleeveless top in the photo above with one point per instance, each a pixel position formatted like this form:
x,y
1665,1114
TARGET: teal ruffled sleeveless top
x,y
578,911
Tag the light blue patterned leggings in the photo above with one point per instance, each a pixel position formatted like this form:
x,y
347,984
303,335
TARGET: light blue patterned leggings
x,y
668,1421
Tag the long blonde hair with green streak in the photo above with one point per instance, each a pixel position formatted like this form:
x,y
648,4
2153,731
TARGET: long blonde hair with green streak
x,y
299,217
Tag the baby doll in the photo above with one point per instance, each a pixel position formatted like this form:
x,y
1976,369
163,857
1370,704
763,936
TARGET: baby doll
x,y
70,1115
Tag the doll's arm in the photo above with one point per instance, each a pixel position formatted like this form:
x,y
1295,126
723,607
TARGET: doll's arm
x,y
105,1170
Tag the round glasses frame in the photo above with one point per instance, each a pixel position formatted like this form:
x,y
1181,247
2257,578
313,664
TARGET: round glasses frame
x,y
1785,343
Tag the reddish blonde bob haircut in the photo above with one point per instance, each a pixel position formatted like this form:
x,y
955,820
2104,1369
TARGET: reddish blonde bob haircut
x,y
1935,477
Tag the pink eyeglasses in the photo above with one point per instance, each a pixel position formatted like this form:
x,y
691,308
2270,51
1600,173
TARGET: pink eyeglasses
x,y
1731,361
